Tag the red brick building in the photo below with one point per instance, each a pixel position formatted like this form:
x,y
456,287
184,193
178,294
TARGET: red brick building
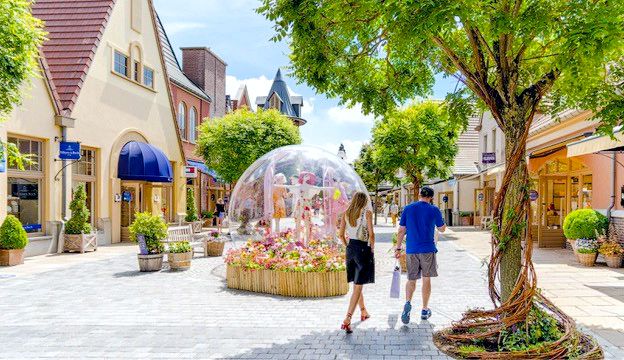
x,y
198,92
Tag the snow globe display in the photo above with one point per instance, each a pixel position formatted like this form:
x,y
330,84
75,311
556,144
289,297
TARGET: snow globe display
x,y
297,189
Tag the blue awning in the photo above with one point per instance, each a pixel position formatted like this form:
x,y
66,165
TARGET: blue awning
x,y
203,168
143,162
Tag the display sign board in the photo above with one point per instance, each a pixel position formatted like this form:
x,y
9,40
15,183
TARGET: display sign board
x,y
190,172
488,158
533,195
32,227
25,191
69,150
142,244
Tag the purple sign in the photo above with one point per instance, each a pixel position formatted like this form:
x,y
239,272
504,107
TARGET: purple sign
x,y
488,158
533,195
142,244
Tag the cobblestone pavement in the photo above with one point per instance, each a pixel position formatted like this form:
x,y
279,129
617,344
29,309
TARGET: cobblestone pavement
x,y
105,309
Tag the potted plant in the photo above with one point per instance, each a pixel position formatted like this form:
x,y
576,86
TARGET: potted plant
x,y
583,224
180,255
214,244
78,236
610,248
465,218
587,251
13,240
207,217
148,230
191,210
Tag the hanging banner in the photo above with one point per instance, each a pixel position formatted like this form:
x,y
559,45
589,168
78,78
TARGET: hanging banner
x,y
69,150
190,172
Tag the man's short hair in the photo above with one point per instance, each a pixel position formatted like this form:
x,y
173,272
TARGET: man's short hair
x,y
426,192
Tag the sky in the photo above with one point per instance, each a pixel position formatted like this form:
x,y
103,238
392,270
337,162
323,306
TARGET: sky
x,y
241,37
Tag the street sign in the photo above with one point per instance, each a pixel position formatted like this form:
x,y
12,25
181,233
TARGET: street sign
x,y
190,172
126,196
481,196
445,198
488,158
69,150
533,195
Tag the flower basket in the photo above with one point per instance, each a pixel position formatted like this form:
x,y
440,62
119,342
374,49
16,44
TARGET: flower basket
x,y
214,247
180,261
613,261
151,262
587,259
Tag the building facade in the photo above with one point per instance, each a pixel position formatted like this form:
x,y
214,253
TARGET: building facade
x,y
279,98
104,84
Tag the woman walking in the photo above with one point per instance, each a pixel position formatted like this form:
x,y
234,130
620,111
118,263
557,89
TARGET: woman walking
x,y
356,232
220,212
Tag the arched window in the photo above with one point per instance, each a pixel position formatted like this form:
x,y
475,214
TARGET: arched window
x,y
193,125
182,119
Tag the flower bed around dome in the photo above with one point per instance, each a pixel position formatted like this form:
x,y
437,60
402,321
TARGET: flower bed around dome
x,y
282,266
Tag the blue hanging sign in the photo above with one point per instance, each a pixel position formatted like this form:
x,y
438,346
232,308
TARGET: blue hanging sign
x,y
69,150
126,196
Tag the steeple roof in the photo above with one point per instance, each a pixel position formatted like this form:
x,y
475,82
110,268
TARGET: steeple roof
x,y
279,87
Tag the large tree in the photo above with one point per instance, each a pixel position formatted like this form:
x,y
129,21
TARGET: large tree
x,y
371,172
509,54
420,140
230,144
21,35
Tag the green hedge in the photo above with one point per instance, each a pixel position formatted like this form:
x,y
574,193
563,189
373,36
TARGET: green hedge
x,y
12,234
584,223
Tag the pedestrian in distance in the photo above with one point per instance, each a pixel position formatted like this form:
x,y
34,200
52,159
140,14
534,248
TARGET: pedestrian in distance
x,y
419,221
220,213
356,233
394,213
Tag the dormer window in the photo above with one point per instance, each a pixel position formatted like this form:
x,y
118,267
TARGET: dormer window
x,y
275,102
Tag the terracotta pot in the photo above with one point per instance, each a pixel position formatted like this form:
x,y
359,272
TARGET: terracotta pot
x,y
151,262
214,248
613,261
11,257
180,261
587,259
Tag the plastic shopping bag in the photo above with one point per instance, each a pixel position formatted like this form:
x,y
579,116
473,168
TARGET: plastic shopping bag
x,y
395,287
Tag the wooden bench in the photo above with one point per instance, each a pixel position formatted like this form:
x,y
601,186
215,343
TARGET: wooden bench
x,y
185,233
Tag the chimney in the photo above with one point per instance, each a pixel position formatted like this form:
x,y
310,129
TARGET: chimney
x,y
206,70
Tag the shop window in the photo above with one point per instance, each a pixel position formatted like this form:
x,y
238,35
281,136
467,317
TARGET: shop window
x,y
148,77
193,125
182,120
25,186
84,173
121,64
587,191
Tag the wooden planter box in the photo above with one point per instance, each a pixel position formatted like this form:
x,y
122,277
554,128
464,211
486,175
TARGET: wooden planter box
x,y
150,262
180,261
297,284
79,243
11,257
213,248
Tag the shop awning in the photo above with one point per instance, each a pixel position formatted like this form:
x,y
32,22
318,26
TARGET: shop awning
x,y
143,162
202,167
596,143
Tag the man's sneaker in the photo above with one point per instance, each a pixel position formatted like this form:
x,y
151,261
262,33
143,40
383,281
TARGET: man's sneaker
x,y
425,314
405,317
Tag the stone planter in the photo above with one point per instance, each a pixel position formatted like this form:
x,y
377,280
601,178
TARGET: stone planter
x,y
613,261
150,262
79,243
180,261
297,284
11,257
587,259
213,248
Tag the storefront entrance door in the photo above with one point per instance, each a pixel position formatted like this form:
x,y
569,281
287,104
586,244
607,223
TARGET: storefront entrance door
x,y
131,203
553,210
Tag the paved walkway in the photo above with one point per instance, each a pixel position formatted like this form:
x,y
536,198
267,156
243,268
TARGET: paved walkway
x,y
104,308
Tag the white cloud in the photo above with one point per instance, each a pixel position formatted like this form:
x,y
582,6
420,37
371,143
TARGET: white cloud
x,y
353,115
258,86
178,27
308,107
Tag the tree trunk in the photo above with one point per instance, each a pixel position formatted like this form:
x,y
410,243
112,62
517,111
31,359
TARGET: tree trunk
x,y
416,188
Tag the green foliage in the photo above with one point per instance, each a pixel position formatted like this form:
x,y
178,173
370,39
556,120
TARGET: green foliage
x,y
369,169
79,221
420,139
207,214
466,213
466,350
180,247
229,145
584,224
152,227
21,36
12,234
610,248
539,328
191,208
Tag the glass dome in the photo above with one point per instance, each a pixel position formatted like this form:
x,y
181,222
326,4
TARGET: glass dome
x,y
295,188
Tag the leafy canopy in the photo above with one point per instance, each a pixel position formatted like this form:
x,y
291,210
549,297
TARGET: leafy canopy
x,y
229,145
420,140
508,53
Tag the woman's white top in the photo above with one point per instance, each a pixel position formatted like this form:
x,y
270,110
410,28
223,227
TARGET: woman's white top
x,y
360,230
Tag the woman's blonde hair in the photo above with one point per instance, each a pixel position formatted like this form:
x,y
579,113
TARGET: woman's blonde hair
x,y
354,210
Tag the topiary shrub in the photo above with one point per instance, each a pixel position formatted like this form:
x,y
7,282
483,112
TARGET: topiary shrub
x,y
79,221
191,210
12,234
152,227
584,224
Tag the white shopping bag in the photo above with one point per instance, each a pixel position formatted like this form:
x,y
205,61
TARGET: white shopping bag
x,y
395,287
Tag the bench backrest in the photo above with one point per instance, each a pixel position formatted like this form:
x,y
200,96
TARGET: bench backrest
x,y
179,233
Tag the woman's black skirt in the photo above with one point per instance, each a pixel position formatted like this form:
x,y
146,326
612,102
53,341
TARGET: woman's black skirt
x,y
360,263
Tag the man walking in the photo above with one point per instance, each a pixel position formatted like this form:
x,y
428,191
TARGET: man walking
x,y
418,221
394,212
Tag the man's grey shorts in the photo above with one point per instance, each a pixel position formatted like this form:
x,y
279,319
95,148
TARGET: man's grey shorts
x,y
421,265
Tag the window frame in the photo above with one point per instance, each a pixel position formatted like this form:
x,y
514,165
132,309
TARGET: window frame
x,y
192,125
145,70
127,58
182,125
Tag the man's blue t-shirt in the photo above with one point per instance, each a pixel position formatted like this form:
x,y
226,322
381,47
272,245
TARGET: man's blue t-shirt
x,y
421,219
